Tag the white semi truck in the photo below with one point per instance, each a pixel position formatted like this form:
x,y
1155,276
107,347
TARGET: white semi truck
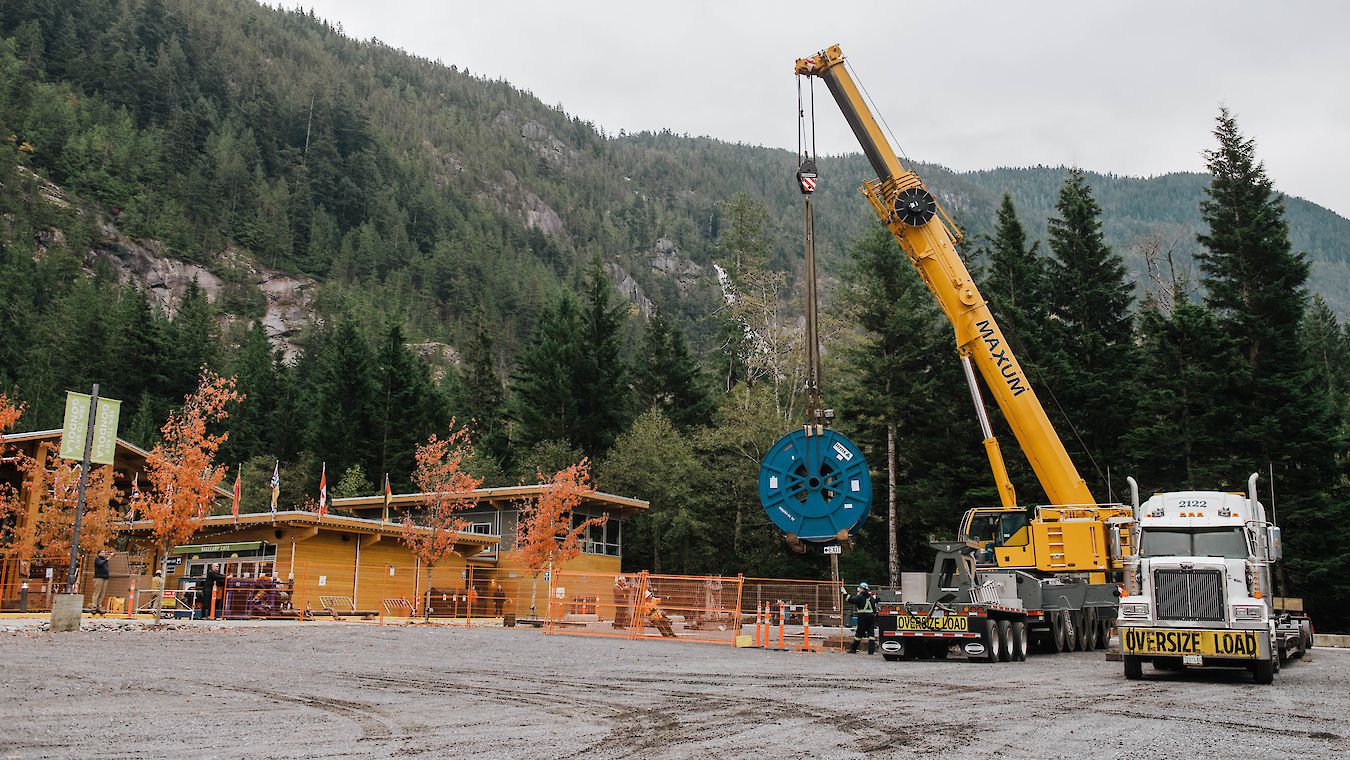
x,y
1198,592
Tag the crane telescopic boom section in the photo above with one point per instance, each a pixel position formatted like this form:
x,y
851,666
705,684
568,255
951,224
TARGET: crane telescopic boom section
x,y
929,240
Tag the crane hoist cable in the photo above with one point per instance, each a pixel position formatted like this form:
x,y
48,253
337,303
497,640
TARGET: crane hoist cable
x,y
806,183
814,483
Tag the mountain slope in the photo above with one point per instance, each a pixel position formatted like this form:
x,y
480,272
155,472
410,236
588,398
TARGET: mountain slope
x,y
231,132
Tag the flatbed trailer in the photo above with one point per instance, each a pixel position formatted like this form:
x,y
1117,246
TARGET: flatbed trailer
x,y
990,614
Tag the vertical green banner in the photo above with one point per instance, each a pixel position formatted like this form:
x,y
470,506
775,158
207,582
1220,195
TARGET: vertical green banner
x,y
77,422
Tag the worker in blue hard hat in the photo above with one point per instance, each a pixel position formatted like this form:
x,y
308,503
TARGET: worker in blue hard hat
x,y
866,603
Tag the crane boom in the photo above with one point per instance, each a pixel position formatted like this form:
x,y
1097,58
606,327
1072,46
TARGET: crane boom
x,y
929,240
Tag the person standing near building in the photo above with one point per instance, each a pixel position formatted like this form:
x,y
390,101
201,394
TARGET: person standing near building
x,y
866,603
101,576
157,589
214,593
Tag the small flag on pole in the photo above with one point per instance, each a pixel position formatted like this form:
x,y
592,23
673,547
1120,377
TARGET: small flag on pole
x,y
234,503
388,496
323,491
276,486
135,494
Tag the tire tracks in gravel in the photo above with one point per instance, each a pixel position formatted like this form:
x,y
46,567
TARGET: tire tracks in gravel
x,y
374,723
707,716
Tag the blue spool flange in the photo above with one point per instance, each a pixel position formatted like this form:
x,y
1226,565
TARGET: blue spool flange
x,y
815,485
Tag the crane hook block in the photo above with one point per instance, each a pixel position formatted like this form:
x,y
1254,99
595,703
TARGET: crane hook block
x,y
806,177
814,484
915,206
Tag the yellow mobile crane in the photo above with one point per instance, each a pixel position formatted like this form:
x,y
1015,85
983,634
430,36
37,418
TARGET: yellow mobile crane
x,y
1047,574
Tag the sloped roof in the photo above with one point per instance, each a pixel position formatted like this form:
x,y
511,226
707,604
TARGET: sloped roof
x,y
624,504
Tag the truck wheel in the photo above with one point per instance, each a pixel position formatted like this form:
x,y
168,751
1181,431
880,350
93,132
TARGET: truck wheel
x,y
993,651
1057,631
1079,630
1264,671
1005,645
1090,628
1134,667
1019,641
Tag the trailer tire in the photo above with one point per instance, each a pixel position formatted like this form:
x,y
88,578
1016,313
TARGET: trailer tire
x,y
993,651
1020,644
1005,644
1058,634
1079,631
1134,667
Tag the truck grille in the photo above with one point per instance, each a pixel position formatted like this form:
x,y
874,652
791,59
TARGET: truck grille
x,y
1189,594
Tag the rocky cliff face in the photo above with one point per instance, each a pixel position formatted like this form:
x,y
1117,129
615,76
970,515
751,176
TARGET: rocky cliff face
x,y
143,264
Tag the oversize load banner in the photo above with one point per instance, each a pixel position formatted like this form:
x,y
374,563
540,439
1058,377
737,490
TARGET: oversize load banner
x,y
77,424
1160,641
926,623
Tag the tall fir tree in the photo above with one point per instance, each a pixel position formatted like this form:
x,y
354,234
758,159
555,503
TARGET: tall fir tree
x,y
668,377
341,401
1092,362
254,421
905,372
407,407
544,406
1256,283
481,397
1015,284
601,380
1179,440
193,342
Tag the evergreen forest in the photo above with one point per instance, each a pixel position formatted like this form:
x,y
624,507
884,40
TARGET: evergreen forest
x,y
472,254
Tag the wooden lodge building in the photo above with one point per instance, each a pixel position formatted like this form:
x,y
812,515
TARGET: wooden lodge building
x,y
350,552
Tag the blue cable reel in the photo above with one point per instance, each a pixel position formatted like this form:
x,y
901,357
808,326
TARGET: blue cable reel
x,y
814,484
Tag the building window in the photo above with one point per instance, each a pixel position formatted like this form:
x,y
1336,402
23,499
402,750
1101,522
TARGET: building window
x,y
602,538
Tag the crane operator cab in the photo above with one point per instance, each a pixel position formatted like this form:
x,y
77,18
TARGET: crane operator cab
x,y
993,527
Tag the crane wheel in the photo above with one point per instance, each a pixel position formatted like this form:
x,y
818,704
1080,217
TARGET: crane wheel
x,y
1091,628
915,206
1058,625
1005,642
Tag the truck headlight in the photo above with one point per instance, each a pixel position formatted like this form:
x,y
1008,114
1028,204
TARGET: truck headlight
x,y
1249,611
1134,610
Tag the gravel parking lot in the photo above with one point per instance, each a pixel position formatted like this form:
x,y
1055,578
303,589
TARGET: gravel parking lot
x,y
352,690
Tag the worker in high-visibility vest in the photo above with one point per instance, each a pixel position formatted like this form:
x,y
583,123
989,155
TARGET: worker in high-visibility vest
x,y
866,602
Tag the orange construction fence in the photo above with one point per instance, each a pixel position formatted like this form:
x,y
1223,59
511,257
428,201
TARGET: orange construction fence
x,y
644,605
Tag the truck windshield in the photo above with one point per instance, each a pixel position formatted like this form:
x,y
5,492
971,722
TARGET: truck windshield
x,y
1174,542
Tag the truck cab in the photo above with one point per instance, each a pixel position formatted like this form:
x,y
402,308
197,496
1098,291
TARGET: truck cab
x,y
1198,591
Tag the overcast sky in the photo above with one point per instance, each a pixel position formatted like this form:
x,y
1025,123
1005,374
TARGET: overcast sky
x,y
1129,88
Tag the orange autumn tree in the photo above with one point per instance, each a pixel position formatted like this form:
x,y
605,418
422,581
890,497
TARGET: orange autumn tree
x,y
10,504
448,490
57,491
181,474
546,534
